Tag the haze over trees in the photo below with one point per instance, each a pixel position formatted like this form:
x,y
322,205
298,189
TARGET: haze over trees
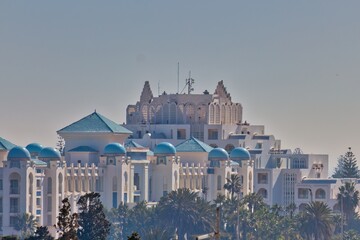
x,y
183,213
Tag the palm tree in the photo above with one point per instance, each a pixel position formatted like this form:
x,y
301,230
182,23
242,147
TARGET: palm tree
x,y
348,200
316,221
186,211
253,201
26,224
233,185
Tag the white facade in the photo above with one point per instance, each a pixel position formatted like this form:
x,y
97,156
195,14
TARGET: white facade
x,y
144,172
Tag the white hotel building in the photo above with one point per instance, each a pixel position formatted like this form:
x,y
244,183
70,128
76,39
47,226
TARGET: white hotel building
x,y
171,141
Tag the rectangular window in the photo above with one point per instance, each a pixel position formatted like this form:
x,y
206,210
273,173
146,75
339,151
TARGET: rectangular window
x,y
14,186
262,178
258,146
13,221
38,212
137,181
219,184
1,206
14,205
1,184
15,164
38,183
114,200
181,134
38,202
213,134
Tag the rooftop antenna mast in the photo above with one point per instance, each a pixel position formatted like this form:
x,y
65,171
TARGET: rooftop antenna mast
x,y
178,77
189,83
158,88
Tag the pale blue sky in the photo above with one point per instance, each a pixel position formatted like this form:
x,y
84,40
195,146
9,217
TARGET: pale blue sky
x,y
294,65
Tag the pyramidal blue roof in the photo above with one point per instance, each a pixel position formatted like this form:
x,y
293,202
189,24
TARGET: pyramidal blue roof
x,y
95,122
133,144
193,145
5,144
83,149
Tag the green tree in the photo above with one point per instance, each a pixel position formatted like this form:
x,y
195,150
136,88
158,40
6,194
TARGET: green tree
x,y
67,223
186,211
253,201
119,219
92,220
348,200
316,221
134,236
142,219
347,166
233,185
26,225
41,233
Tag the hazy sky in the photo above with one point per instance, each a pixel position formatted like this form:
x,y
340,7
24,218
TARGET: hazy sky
x,y
294,65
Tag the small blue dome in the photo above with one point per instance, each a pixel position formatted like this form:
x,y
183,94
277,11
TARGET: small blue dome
x,y
238,154
114,149
165,149
18,153
34,148
49,153
218,154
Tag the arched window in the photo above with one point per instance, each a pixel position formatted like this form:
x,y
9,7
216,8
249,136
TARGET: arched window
x,y
211,110
49,185
263,192
302,207
223,114
320,193
228,114
217,114
60,180
15,180
114,184
166,113
126,181
152,113
173,116
31,194
219,185
176,179
336,208
233,114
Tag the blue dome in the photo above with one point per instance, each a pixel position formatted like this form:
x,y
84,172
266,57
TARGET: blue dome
x,y
218,154
165,149
114,149
18,153
49,153
34,148
238,154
